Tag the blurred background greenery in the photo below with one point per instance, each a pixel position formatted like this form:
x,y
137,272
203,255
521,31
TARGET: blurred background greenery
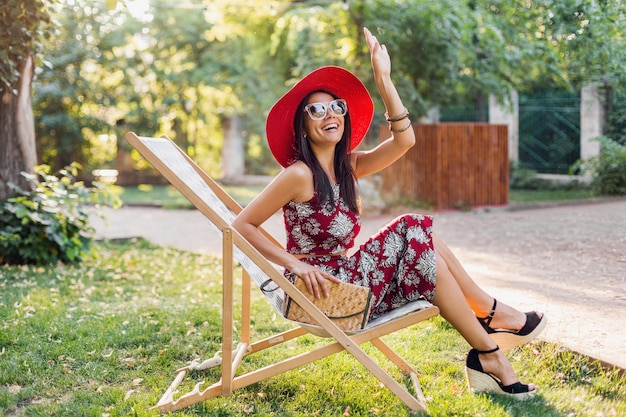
x,y
197,70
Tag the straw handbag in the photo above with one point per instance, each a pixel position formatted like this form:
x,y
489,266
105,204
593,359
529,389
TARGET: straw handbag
x,y
348,305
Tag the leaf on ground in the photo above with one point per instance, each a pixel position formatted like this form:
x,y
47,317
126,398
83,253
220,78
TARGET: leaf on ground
x,y
128,394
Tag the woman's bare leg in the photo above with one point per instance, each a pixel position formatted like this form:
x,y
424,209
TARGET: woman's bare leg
x,y
479,301
454,308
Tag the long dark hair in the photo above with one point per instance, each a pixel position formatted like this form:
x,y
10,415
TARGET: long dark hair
x,y
343,168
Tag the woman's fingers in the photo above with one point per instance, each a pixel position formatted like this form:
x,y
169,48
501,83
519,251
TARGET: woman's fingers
x,y
323,283
317,283
315,280
332,278
371,40
312,284
379,55
320,285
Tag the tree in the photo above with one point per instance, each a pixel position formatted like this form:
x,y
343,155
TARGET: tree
x,y
426,43
205,73
70,107
443,52
201,77
247,76
591,38
20,33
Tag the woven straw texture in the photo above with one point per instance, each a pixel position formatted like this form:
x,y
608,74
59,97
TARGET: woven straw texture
x,y
348,305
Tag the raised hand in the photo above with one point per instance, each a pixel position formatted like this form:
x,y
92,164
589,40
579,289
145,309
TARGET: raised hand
x,y
381,62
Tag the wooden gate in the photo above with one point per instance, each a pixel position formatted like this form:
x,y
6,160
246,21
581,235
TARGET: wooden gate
x,y
452,165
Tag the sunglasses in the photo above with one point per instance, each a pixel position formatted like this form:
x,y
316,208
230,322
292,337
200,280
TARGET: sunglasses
x,y
318,111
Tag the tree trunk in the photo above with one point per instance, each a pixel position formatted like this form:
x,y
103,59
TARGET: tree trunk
x,y
232,150
124,163
17,131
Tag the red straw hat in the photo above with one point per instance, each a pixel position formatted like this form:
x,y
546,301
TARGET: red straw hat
x,y
339,81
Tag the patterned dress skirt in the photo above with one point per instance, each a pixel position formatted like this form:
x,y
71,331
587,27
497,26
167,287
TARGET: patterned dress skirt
x,y
397,264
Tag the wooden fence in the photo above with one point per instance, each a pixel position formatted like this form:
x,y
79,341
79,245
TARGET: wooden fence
x,y
452,165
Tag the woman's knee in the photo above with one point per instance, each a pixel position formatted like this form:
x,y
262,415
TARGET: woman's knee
x,y
414,218
443,271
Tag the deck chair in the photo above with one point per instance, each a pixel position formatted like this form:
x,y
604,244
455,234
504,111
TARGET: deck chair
x,y
220,209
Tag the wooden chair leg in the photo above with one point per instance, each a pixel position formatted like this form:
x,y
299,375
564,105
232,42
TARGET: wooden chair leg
x,y
227,312
245,306
404,366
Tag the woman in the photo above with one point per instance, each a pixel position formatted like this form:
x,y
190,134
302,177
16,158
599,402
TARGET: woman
x,y
312,131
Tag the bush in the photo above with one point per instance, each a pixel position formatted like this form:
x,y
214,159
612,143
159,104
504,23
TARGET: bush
x,y
49,223
521,178
608,169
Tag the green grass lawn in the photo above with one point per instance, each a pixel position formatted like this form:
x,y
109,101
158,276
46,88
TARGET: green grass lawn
x,y
169,197
533,196
104,339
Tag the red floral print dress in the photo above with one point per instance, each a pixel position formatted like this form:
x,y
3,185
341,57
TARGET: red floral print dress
x,y
397,263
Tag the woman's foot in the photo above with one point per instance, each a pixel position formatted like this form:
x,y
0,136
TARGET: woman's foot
x,y
511,328
490,371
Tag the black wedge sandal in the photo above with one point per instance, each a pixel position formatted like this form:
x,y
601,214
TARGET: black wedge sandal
x,y
508,339
480,381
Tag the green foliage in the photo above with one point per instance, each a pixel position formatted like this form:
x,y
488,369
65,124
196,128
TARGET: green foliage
x,y
71,101
522,178
184,71
452,52
608,168
49,223
171,72
615,107
21,31
589,35
425,42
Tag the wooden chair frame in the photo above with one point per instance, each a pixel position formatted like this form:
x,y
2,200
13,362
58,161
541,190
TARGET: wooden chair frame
x,y
231,359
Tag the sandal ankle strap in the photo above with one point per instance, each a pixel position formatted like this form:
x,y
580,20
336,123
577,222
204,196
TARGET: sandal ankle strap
x,y
497,348
487,320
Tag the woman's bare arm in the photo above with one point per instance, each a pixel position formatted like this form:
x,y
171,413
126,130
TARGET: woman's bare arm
x,y
295,183
369,162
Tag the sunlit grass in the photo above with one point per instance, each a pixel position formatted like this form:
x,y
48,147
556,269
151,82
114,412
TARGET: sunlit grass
x,y
533,196
104,339
168,197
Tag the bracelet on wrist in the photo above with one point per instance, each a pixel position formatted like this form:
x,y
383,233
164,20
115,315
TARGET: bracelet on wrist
x,y
397,118
402,129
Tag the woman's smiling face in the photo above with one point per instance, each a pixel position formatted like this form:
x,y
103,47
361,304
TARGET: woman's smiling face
x,y
327,130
